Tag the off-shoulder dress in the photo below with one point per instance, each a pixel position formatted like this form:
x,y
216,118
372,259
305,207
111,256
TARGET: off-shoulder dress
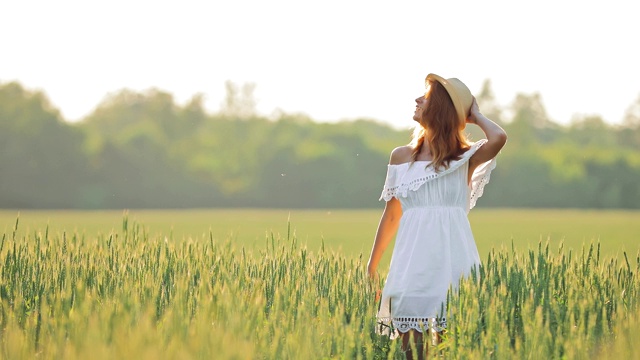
x,y
434,245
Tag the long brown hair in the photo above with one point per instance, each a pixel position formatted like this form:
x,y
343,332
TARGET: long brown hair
x,y
440,128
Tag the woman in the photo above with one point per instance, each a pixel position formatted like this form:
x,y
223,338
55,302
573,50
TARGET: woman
x,y
430,187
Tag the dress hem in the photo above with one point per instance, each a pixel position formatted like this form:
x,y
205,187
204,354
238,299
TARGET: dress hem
x,y
393,327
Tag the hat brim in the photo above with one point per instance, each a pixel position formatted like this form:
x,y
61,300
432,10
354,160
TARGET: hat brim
x,y
458,103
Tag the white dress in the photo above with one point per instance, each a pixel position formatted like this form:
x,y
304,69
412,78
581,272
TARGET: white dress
x,y
434,246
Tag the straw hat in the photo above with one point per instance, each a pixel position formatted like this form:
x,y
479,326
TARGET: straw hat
x,y
459,93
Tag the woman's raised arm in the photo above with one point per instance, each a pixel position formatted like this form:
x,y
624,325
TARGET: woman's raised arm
x,y
496,137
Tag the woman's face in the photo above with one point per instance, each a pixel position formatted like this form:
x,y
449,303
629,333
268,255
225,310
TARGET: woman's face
x,y
421,104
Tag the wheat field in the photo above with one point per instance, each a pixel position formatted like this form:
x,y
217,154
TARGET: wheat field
x,y
267,284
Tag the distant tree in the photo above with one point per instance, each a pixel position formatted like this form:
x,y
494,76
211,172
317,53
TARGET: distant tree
x,y
591,130
528,109
140,146
629,132
530,123
41,159
239,102
632,115
126,115
193,114
488,104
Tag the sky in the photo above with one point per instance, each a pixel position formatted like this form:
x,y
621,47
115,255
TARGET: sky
x,y
333,59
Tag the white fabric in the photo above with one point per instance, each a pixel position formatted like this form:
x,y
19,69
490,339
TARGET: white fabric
x,y
434,246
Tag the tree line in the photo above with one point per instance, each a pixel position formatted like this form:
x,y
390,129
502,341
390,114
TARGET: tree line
x,y
143,150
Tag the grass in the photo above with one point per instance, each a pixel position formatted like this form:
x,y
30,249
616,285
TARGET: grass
x,y
350,232
232,285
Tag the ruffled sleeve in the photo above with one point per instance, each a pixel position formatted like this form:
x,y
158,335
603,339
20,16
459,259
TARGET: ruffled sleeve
x,y
391,183
479,179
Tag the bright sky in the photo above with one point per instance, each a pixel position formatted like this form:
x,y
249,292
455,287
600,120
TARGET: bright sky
x,y
330,59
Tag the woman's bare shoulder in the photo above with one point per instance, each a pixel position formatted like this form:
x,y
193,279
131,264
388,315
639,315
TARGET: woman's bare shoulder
x,y
401,155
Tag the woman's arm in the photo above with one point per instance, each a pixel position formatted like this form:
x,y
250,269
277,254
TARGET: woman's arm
x,y
387,228
496,137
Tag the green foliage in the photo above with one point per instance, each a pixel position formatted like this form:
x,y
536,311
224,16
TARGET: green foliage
x,y
142,150
41,159
125,293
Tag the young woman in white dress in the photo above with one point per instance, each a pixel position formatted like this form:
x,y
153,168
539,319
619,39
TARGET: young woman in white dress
x,y
431,185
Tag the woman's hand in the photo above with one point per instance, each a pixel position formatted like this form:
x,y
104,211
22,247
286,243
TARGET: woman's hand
x,y
374,282
474,112
372,272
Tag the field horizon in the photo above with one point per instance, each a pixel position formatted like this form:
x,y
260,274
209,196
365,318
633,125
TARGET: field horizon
x,y
350,231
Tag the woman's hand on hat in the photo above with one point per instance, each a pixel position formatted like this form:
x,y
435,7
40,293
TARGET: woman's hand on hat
x,y
474,112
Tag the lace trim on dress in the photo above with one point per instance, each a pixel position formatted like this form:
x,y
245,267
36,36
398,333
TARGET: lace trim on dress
x,y
403,189
391,190
391,327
